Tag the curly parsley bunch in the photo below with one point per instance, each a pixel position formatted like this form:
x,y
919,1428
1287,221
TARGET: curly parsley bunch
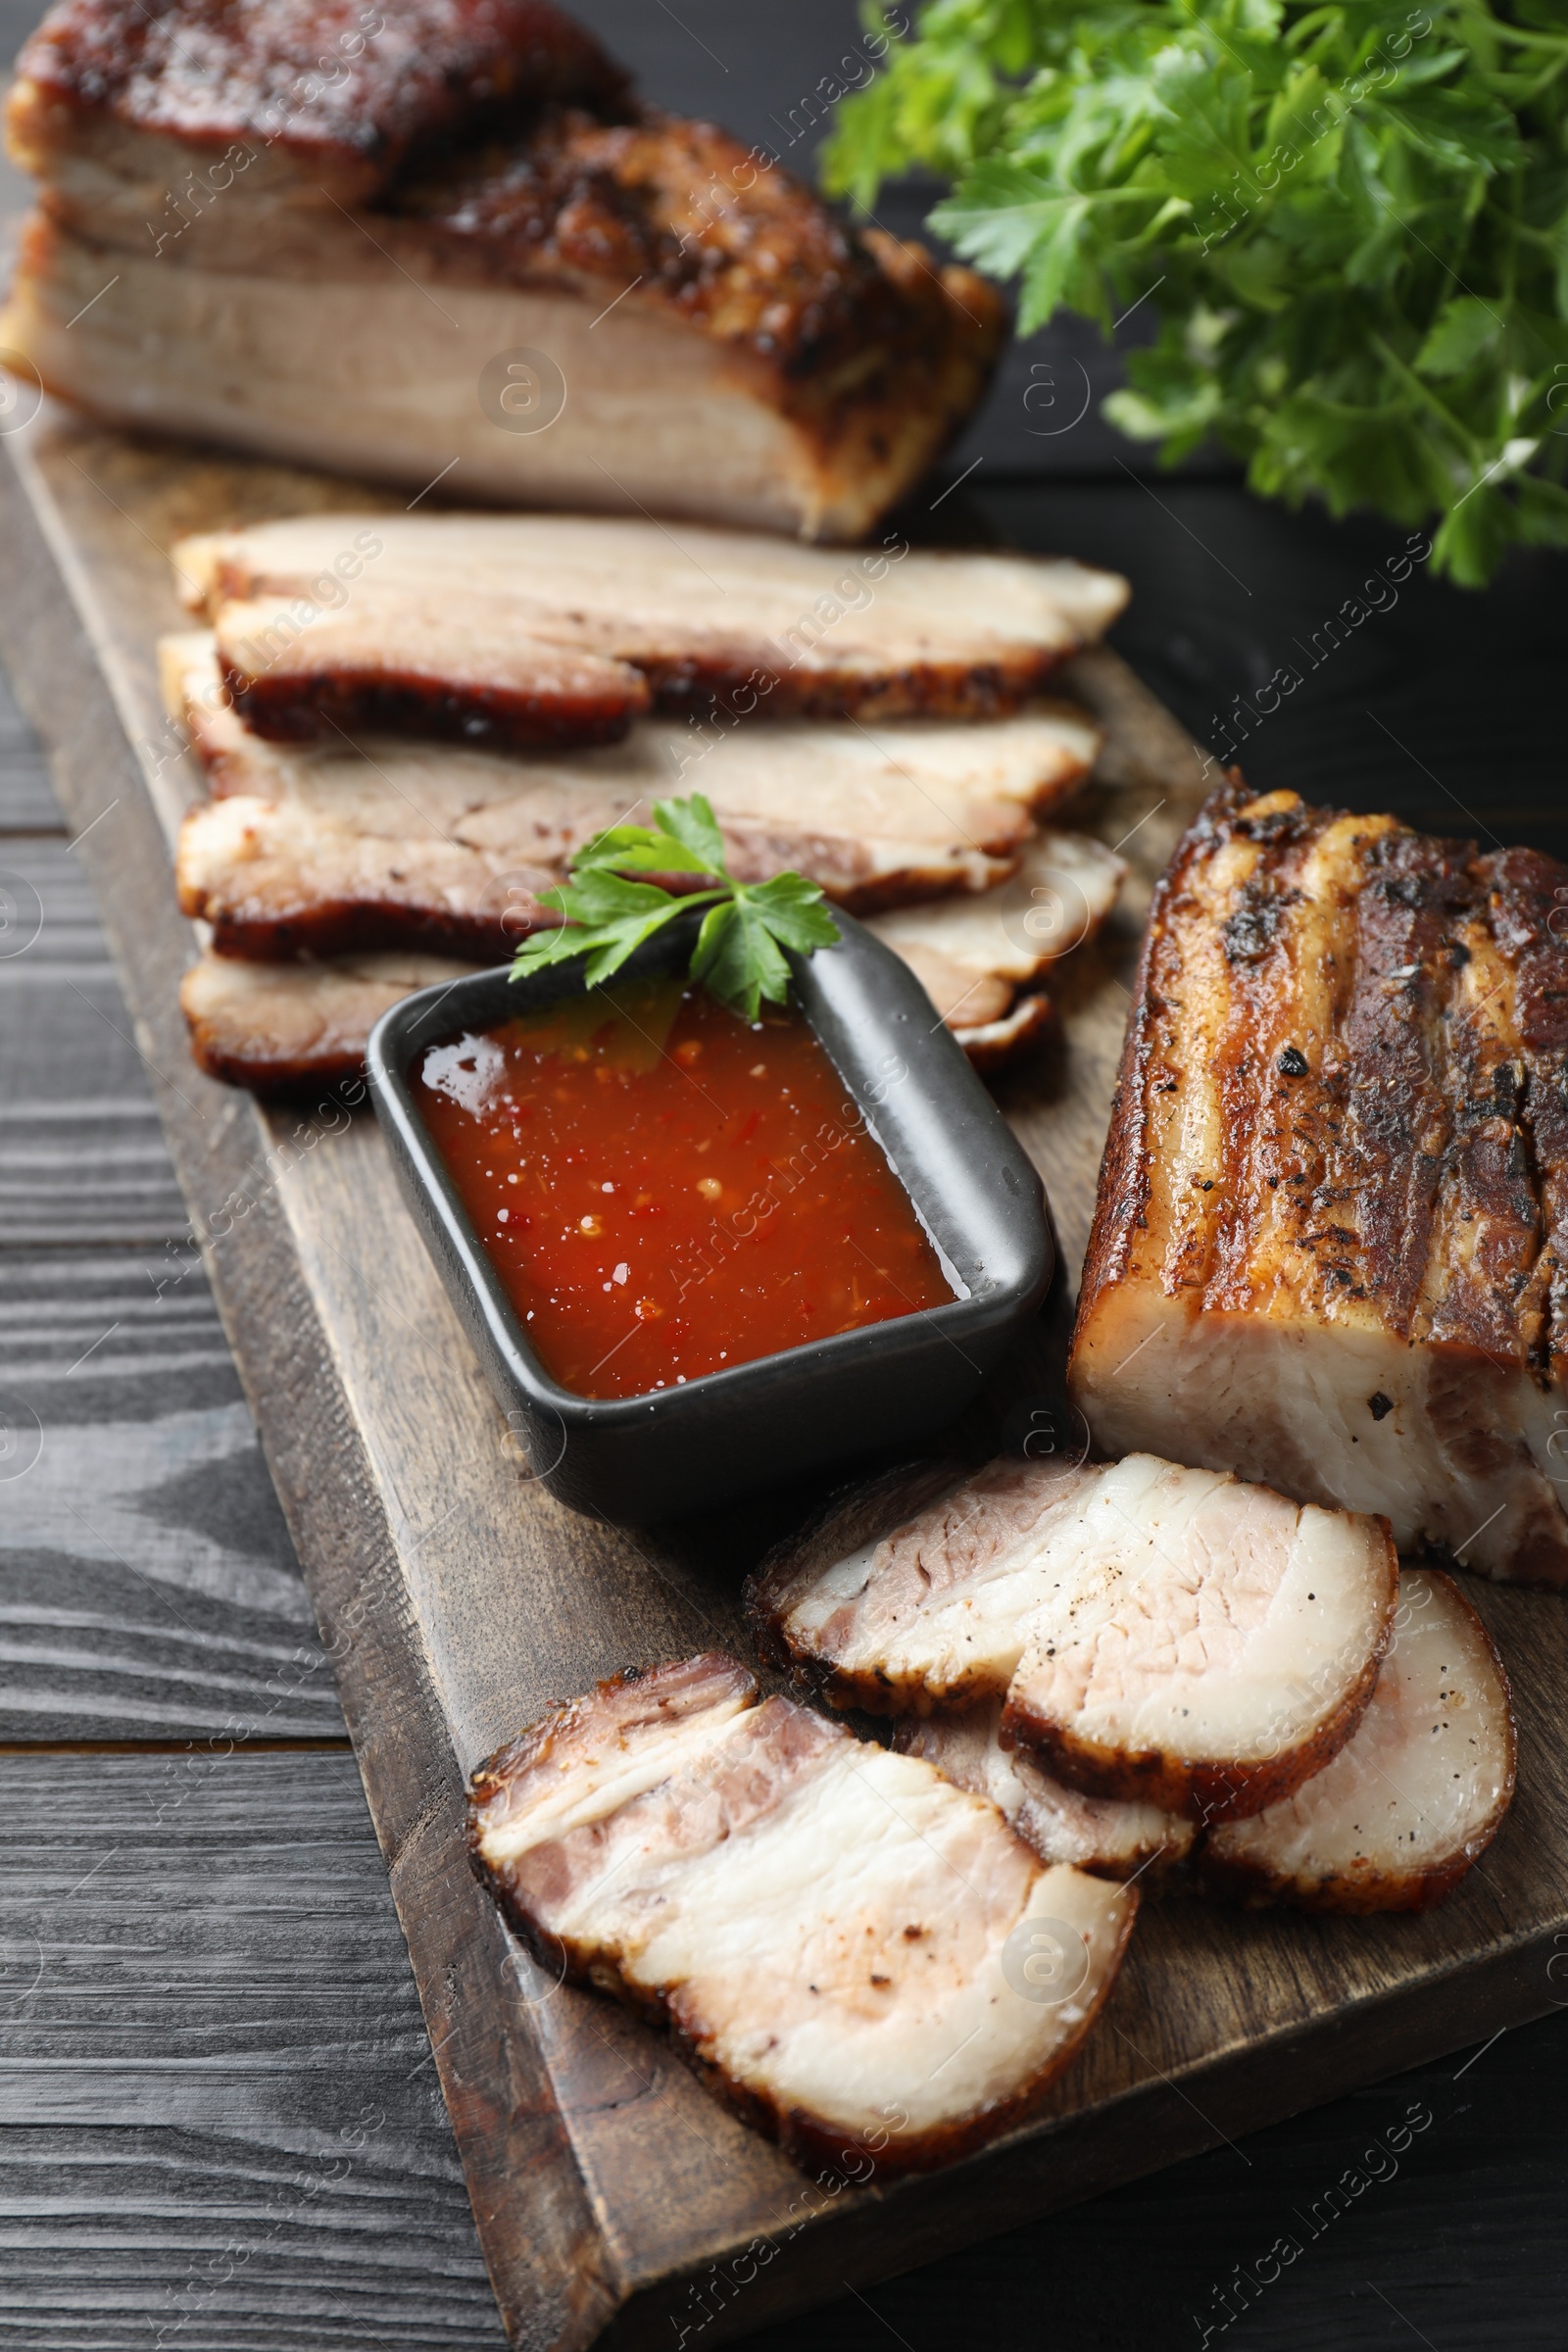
x,y
1351,220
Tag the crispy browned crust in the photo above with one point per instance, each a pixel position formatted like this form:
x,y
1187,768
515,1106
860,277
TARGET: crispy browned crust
x,y
1413,1139
301,707
856,1515
257,934
1528,906
313,77
934,689
266,1073
1403,1072
1244,1880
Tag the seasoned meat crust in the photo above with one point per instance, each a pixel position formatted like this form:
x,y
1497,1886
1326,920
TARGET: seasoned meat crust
x,y
1332,1230
839,1940
292,199
312,76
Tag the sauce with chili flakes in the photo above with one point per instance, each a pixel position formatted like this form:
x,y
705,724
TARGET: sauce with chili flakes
x,y
667,1189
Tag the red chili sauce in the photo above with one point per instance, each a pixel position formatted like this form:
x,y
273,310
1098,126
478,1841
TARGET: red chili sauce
x,y
666,1189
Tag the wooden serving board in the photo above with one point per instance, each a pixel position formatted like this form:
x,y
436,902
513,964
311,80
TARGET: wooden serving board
x,y
615,2201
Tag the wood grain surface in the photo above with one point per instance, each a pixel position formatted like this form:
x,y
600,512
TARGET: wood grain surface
x,y
455,1598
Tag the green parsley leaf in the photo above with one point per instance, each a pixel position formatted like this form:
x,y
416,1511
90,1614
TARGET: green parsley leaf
x,y
1350,220
739,955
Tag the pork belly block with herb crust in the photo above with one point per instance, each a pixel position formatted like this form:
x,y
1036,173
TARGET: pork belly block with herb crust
x,y
1331,1242
403,237
834,1935
730,616
1159,1635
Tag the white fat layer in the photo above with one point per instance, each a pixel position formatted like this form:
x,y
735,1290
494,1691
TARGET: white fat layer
x,y
1424,1778
1218,1621
920,603
594,1780
364,378
1288,1400
1062,892
776,1938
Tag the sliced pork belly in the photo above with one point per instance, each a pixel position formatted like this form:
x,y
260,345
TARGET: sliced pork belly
x,y
1412,1799
1162,1636
973,955
1332,1230
404,664
768,630
1111,1838
397,845
835,1934
279,1027
320,233
993,1045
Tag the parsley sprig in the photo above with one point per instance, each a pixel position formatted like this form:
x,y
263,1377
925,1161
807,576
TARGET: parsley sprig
x,y
738,951
1351,219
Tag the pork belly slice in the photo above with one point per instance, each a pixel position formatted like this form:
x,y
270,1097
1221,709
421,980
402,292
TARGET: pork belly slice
x,y
399,844
770,630
324,234
1332,1231
835,1935
994,1045
967,790
1417,1792
418,665
279,1028
1412,1799
973,955
1103,1834
1158,1635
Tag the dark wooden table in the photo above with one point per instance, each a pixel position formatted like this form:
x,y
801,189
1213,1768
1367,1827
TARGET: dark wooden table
x,y
220,2125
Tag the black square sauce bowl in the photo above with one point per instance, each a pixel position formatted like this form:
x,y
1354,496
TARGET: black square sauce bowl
x,y
634,1460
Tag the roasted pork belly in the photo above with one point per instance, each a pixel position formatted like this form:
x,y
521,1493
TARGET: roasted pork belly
x,y
1413,1797
337,848
836,1938
993,1045
1331,1242
422,666
440,235
1104,1834
1416,1794
279,1028
763,629
972,954
1158,1635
